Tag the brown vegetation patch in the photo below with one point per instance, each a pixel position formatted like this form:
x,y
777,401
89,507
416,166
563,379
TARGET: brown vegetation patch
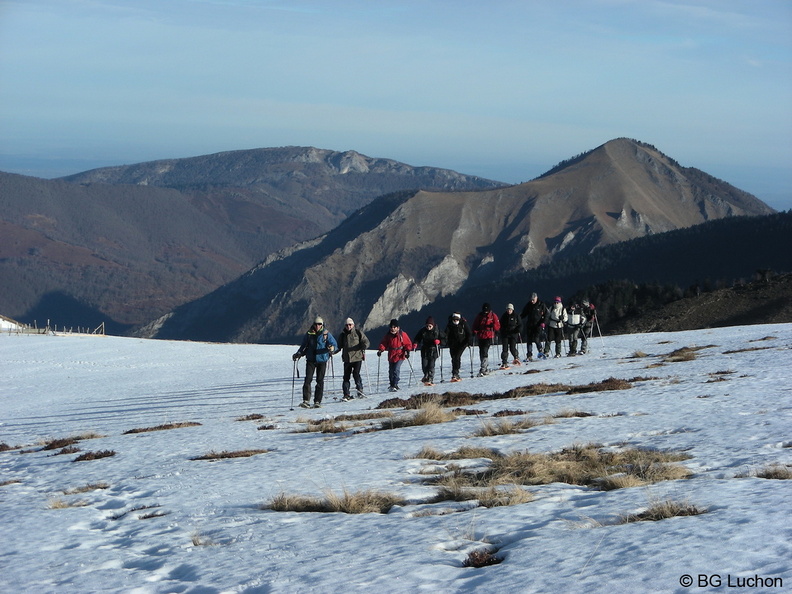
x,y
611,383
362,502
67,450
251,417
430,414
86,488
662,510
164,427
226,454
568,413
4,447
589,465
765,338
746,350
10,482
468,412
94,455
463,453
771,471
266,427
510,413
684,354
506,426
482,558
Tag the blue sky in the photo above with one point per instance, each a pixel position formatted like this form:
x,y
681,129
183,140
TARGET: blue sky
x,y
502,89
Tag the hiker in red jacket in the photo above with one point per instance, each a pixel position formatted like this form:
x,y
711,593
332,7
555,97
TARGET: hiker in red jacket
x,y
485,327
398,345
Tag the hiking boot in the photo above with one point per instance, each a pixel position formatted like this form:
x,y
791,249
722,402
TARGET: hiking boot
x,y
516,362
317,405
346,398
305,404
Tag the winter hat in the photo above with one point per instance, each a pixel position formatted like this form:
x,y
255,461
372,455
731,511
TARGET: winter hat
x,y
394,323
319,320
557,299
485,308
350,322
586,303
534,296
510,306
456,315
430,320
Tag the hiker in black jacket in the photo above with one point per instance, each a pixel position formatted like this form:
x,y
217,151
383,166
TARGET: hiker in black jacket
x,y
510,326
533,315
459,337
428,339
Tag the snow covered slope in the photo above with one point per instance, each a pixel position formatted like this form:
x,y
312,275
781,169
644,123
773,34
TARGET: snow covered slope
x,y
164,522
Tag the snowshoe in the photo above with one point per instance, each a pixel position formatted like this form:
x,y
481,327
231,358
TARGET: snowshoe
x,y
305,404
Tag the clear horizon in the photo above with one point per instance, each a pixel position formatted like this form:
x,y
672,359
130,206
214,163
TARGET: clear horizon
x,y
504,90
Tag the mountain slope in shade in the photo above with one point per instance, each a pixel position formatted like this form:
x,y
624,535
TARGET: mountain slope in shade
x,y
404,251
123,245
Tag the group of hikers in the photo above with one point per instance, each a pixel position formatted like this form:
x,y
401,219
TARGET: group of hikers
x,y
538,324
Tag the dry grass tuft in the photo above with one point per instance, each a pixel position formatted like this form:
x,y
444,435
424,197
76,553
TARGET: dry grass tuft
x,y
67,450
506,426
463,453
746,350
251,417
661,510
684,354
164,427
154,514
266,427
638,355
568,413
200,540
588,465
10,482
482,558
775,471
58,503
86,488
510,413
611,383
430,414
94,455
323,426
362,502
226,454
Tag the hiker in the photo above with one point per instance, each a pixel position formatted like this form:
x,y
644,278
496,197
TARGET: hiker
x,y
317,347
459,337
485,327
428,339
510,326
398,345
533,315
576,329
588,327
353,344
555,319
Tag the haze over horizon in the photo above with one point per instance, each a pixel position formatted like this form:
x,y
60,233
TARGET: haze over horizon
x,y
502,90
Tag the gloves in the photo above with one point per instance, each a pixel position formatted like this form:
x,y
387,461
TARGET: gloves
x,y
406,353
437,341
295,356
541,325
379,353
331,349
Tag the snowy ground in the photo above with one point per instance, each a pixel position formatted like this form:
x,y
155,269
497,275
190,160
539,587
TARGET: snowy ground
x,y
208,533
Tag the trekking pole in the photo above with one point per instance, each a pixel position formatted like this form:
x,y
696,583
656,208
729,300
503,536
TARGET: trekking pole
x,y
368,377
294,374
596,320
440,356
379,360
409,381
332,375
470,350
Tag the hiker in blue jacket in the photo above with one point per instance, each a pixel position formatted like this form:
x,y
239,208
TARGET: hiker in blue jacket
x,y
317,347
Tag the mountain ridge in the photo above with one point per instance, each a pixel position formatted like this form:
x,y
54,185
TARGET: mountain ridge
x,y
431,244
